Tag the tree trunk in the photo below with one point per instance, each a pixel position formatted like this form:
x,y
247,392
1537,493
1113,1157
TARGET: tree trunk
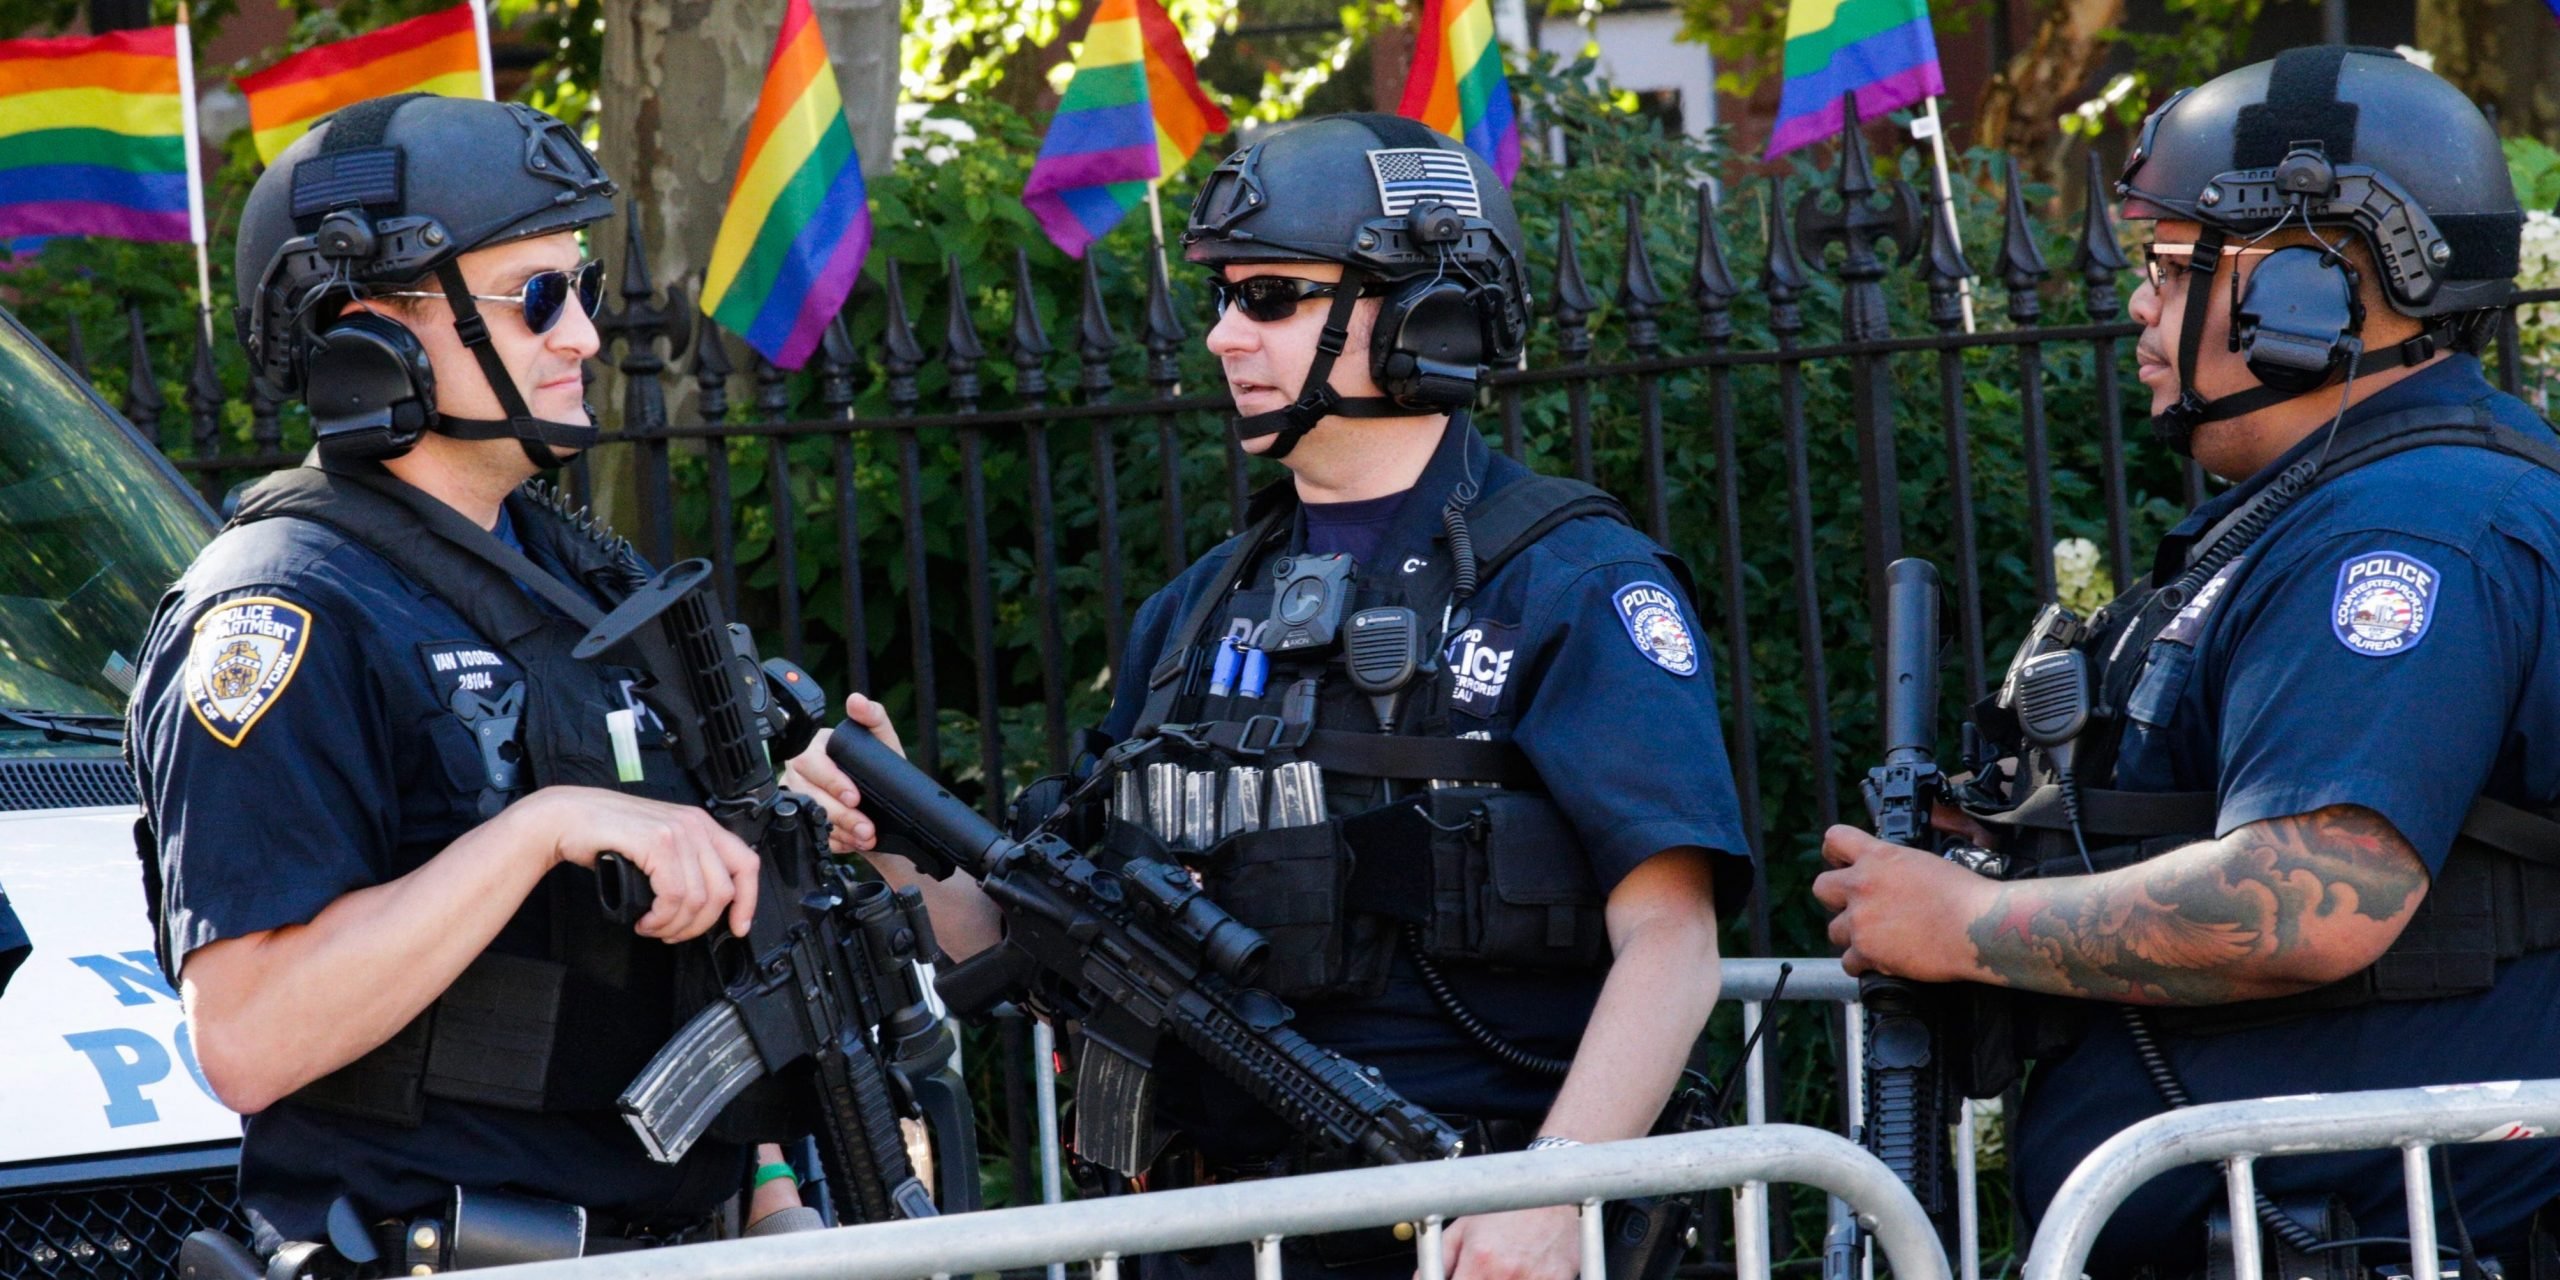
x,y
2501,52
2022,105
681,78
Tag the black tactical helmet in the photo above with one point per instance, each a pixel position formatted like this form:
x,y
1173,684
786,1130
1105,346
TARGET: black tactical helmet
x,y
1413,217
2356,138
380,196
2328,139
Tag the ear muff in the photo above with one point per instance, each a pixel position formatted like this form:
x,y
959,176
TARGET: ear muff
x,y
371,389
2299,318
1428,350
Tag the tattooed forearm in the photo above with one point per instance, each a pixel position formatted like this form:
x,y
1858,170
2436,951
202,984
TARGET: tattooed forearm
x,y
2273,908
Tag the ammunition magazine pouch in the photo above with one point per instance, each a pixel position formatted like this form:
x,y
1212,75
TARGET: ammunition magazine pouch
x,y
511,1032
1486,873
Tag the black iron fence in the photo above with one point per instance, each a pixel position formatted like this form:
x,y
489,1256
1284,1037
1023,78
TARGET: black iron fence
x,y
974,550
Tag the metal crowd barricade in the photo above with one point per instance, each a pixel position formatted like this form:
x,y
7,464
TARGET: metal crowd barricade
x,y
2238,1134
1105,1231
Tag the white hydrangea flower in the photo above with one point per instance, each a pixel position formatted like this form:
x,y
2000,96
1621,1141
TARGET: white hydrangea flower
x,y
2079,582
919,128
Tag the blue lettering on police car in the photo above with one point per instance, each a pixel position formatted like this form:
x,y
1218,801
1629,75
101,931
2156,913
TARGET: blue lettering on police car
x,y
134,976
242,657
2385,603
126,1061
1656,625
1479,660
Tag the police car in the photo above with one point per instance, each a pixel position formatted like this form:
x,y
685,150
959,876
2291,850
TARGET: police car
x,y
111,1146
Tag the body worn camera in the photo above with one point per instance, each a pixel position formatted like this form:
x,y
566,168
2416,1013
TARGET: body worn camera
x,y
1307,601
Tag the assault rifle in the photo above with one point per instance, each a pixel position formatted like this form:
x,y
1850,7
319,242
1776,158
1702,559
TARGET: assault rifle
x,y
831,983
1909,1101
1131,956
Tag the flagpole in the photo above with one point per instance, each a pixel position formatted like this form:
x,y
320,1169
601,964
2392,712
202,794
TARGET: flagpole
x,y
1935,130
488,65
194,143
1155,221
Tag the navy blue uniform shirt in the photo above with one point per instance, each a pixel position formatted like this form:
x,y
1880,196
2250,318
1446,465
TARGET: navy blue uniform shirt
x,y
1583,655
304,728
2386,644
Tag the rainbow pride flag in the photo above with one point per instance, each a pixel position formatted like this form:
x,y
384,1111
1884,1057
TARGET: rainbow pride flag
x,y
1456,84
97,138
1133,113
799,222
1883,49
441,52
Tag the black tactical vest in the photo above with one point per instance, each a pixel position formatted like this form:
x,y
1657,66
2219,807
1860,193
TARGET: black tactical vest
x,y
1449,841
567,1027
2498,894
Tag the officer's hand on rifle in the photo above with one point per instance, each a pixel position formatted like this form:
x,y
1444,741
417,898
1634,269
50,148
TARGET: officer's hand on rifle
x,y
1900,911
812,774
964,921
696,869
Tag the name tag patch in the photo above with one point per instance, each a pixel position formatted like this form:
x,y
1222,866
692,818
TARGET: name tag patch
x,y
1479,661
1656,625
243,655
2385,603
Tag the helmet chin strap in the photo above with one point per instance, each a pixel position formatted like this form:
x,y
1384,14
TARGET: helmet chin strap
x,y
2176,426
1317,400
540,438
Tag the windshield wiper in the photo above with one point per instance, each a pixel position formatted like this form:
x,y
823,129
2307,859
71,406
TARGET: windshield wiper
x,y
73,726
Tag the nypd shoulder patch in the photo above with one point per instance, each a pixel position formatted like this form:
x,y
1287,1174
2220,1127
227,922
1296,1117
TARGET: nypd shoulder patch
x,y
2386,600
243,656
1658,627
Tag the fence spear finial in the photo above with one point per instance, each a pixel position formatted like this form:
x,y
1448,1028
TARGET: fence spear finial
x,y
2022,262
1573,301
1639,296
1782,275
2098,257
1711,282
961,350
711,370
902,354
1029,349
1096,340
1944,265
835,369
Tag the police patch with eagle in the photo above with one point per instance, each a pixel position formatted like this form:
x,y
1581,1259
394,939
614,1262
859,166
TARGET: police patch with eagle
x,y
243,655
2385,602
1658,628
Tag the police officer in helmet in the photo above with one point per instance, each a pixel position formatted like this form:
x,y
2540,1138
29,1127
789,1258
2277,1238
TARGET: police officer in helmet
x,y
1367,272
2313,795
373,776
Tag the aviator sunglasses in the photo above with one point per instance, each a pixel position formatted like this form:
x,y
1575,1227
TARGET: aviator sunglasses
x,y
545,296
1267,299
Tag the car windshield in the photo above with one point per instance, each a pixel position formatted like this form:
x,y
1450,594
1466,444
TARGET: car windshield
x,y
92,530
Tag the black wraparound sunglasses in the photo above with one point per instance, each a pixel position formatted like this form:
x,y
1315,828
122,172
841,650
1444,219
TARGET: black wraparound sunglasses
x,y
1267,298
545,296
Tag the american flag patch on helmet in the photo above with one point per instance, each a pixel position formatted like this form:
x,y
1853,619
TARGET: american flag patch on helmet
x,y
1408,176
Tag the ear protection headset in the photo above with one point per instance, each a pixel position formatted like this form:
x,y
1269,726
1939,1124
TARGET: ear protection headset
x,y
1433,332
2299,319
371,388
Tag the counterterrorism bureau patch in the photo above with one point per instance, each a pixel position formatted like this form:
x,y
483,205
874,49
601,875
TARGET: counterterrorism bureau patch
x,y
1655,624
2386,601
243,656
1479,661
